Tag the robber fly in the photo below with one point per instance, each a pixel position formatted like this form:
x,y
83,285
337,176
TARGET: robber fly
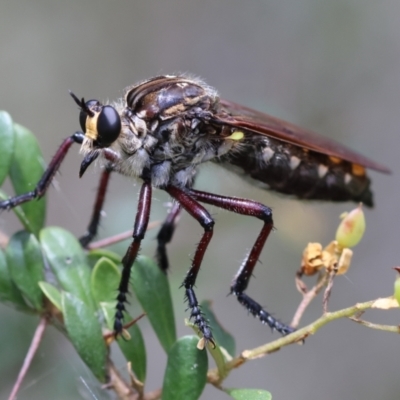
x,y
163,129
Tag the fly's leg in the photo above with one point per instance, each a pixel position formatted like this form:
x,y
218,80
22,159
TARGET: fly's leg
x,y
47,176
241,280
165,235
198,212
97,208
139,230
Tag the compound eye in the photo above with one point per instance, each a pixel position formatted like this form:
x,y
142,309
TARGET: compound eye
x,y
108,126
83,114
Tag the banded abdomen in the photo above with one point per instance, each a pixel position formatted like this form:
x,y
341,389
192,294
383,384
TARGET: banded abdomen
x,y
306,174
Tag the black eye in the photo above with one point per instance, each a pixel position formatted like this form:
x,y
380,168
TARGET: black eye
x,y
108,126
83,114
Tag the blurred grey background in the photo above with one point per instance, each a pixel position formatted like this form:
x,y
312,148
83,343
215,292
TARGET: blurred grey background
x,y
331,66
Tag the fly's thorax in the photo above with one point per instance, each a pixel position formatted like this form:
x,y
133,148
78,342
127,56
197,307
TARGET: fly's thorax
x,y
171,109
166,97
165,129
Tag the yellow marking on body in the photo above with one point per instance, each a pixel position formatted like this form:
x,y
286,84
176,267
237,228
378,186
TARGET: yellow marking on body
x,y
176,109
335,160
357,170
91,126
237,135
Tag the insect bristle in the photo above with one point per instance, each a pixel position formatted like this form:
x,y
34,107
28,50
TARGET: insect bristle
x,y
82,104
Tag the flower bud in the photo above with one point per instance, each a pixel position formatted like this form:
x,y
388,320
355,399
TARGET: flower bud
x,y
352,228
397,286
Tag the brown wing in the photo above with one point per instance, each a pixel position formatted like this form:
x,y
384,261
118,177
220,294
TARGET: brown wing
x,y
241,117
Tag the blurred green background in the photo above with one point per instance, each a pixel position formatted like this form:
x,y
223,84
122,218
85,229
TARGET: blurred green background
x,y
331,66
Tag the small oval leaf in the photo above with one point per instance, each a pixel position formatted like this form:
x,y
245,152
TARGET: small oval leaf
x,y
9,293
18,211
7,144
249,394
108,309
25,263
219,354
151,287
94,255
186,372
26,169
68,262
104,281
52,293
84,331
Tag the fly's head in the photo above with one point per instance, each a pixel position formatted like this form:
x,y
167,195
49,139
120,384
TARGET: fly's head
x,y
101,125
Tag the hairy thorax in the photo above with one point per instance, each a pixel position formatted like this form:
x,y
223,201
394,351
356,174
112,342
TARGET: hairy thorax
x,y
166,133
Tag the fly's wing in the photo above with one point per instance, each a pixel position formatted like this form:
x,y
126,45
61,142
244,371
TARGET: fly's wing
x,y
245,118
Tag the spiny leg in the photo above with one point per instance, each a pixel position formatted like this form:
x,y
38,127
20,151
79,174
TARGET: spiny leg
x,y
44,182
241,280
198,212
165,235
139,230
97,207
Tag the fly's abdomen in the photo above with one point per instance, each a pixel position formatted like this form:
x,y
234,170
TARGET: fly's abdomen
x,y
306,174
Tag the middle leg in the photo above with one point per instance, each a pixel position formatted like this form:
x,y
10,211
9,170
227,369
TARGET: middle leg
x,y
164,236
198,212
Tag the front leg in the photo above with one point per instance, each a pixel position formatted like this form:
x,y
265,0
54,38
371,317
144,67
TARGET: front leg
x,y
112,159
139,230
47,176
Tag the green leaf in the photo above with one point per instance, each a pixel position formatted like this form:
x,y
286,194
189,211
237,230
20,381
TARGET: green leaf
x,y
222,337
94,255
84,330
27,167
219,354
25,263
105,280
108,310
249,394
7,144
52,293
151,287
186,372
9,292
17,210
68,262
